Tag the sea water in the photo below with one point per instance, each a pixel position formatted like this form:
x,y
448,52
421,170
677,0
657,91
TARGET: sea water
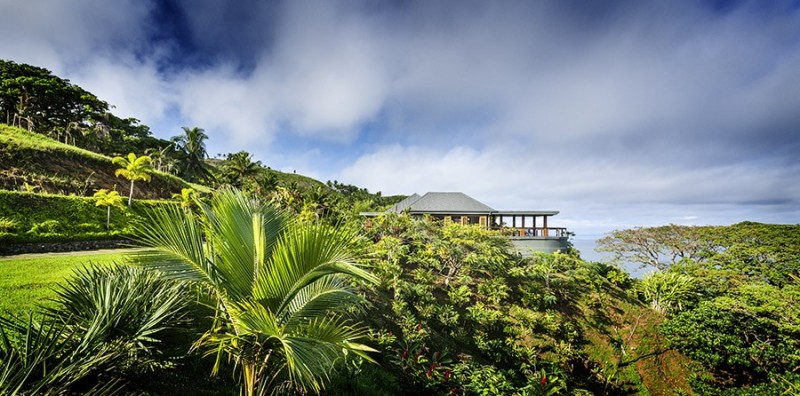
x,y
586,245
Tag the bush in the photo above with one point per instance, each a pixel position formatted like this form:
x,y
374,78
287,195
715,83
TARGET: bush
x,y
47,227
126,305
667,291
8,225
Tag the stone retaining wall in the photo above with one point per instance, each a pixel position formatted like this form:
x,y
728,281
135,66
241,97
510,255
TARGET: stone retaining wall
x,y
50,247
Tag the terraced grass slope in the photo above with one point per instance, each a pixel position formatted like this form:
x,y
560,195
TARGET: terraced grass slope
x,y
47,165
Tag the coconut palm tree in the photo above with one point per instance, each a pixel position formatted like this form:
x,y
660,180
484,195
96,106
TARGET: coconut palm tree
x,y
193,147
133,168
161,157
239,167
281,287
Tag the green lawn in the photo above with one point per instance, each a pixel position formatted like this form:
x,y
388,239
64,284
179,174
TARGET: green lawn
x,y
27,282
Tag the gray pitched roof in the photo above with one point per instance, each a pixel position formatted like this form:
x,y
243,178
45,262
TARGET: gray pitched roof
x,y
402,205
442,202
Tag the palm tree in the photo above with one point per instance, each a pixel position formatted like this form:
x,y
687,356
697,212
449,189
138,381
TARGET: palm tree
x,y
239,167
133,168
193,147
281,287
161,157
108,199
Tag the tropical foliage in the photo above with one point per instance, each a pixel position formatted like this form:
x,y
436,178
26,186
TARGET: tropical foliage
x,y
134,169
34,99
451,309
732,295
57,218
667,291
191,147
281,288
108,199
105,324
239,168
457,312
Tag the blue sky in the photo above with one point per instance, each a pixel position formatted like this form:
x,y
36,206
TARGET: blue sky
x,y
617,114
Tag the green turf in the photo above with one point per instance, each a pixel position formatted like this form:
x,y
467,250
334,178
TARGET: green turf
x,y
28,282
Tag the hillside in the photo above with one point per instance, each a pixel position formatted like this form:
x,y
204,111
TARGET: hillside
x,y
47,165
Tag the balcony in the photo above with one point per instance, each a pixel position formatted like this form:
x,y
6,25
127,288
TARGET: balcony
x,y
535,232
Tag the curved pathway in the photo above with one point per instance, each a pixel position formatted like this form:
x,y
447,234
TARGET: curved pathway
x,y
72,253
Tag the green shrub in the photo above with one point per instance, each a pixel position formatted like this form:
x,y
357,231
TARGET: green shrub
x,y
129,306
667,291
8,225
47,227
89,227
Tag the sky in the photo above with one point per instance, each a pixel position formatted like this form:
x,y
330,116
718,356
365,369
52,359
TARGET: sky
x,y
616,113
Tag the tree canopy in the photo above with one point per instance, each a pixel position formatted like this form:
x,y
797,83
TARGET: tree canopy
x,y
33,98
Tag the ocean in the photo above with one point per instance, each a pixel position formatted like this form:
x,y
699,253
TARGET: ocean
x,y
587,245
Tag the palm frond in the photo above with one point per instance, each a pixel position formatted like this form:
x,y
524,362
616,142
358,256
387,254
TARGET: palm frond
x,y
46,362
243,233
316,347
175,239
303,255
277,284
123,305
318,299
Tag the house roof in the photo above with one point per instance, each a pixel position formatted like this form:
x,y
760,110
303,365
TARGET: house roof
x,y
402,205
442,202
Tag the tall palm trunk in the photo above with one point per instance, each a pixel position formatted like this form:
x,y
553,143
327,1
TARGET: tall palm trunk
x,y
249,372
130,196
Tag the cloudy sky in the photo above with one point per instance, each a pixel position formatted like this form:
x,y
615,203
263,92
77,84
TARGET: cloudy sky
x,y
615,113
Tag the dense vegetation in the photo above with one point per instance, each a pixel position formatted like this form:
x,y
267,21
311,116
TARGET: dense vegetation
x,y
457,312
454,311
732,295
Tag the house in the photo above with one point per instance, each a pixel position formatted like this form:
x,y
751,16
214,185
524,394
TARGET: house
x,y
528,229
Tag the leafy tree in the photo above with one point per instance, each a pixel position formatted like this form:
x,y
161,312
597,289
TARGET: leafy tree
x,y
33,98
281,287
660,247
192,147
456,312
731,295
742,337
108,199
133,168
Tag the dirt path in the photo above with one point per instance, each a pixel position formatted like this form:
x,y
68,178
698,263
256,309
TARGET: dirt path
x,y
73,253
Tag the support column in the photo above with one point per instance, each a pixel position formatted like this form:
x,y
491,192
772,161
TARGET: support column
x,y
545,226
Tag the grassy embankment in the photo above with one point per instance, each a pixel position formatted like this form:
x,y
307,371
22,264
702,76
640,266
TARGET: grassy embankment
x,y
47,165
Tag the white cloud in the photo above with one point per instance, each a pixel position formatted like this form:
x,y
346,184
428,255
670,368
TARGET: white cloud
x,y
592,195
57,35
133,87
230,106
625,114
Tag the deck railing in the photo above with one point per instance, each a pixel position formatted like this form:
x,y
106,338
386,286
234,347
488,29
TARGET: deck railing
x,y
536,232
